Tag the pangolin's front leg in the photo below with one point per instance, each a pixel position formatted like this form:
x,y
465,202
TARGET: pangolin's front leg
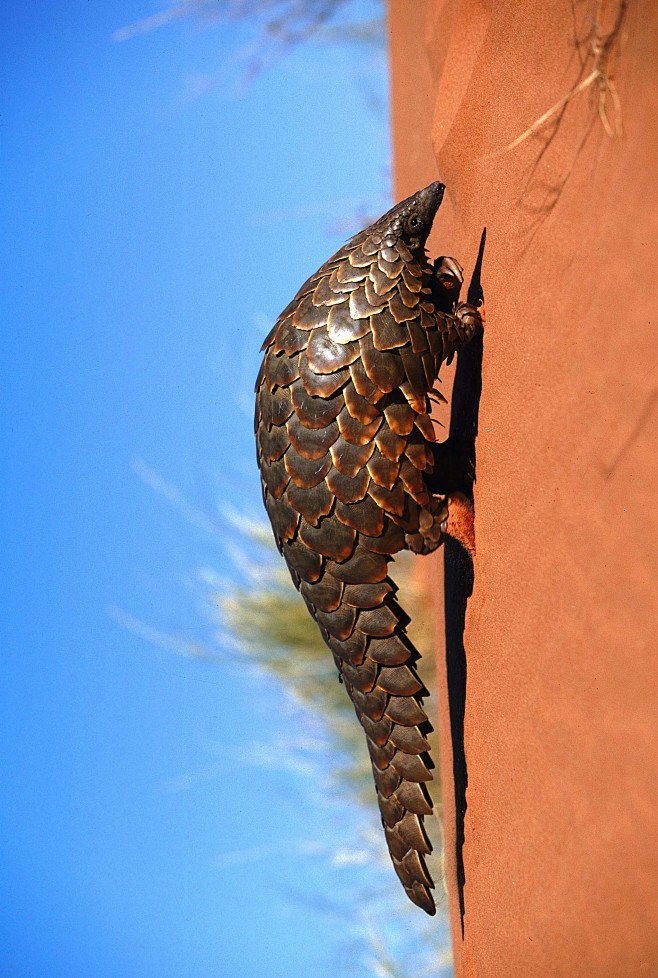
x,y
345,446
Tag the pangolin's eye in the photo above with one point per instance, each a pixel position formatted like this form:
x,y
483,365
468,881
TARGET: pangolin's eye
x,y
415,223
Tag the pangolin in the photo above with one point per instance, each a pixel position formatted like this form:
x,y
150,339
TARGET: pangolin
x,y
345,449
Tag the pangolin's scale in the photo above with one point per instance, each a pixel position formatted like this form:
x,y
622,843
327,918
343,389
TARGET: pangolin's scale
x,y
344,443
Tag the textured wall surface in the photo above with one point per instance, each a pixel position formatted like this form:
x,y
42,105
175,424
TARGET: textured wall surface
x,y
560,731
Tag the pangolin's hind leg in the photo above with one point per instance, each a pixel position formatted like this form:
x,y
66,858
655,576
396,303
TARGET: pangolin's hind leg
x,y
460,524
452,515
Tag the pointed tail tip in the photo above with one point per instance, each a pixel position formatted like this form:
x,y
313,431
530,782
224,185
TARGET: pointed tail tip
x,y
421,896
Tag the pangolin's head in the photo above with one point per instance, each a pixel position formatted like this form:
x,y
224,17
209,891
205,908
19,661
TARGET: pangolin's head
x,y
411,220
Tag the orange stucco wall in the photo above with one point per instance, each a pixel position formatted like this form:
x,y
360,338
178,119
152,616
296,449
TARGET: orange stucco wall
x,y
560,851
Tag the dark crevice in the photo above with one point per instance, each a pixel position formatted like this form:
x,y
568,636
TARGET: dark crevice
x,y
458,565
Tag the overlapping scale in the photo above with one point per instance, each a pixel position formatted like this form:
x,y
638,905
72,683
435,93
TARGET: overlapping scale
x,y
358,407
380,280
275,477
347,489
418,454
369,247
325,595
314,412
384,369
342,288
356,432
339,622
372,296
306,472
311,442
349,458
392,813
272,443
409,739
324,356
429,366
368,594
389,444
324,294
274,408
408,296
390,541
308,316
365,516
320,385
351,650
329,538
362,677
387,780
378,622
410,830
399,680
380,756
417,401
288,339
412,276
361,307
346,272
364,386
392,269
398,310
400,417
283,517
341,328
418,337
405,710
307,563
313,503
382,470
413,797
359,258
391,500
387,334
389,253
362,565
377,730
395,651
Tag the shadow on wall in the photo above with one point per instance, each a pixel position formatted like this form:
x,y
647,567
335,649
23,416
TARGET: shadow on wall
x,y
458,577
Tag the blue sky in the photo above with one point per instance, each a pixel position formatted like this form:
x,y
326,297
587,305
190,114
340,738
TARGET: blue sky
x,y
156,217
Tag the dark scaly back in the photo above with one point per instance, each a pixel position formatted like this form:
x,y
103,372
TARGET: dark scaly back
x,y
343,443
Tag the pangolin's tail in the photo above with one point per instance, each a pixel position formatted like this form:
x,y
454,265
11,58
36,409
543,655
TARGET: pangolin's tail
x,y
364,627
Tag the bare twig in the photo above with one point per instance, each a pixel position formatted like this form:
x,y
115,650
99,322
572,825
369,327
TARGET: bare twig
x,y
598,81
